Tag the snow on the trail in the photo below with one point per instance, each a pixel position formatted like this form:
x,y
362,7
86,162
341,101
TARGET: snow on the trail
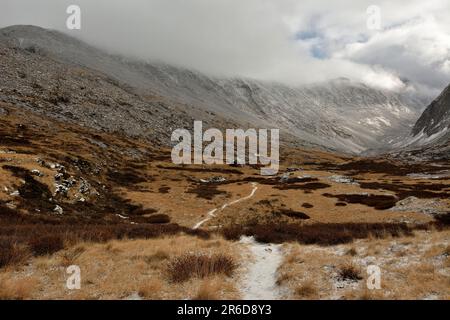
x,y
211,214
259,283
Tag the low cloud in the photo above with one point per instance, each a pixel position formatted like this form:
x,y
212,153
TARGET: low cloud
x,y
282,40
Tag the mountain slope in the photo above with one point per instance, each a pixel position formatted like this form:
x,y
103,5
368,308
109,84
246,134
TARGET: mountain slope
x,y
338,115
430,137
434,124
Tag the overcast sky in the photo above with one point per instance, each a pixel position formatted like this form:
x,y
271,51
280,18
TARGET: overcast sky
x,y
293,41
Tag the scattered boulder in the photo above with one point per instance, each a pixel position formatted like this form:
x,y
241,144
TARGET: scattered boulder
x,y
63,186
58,210
213,180
287,178
59,176
37,173
11,205
343,179
84,187
426,206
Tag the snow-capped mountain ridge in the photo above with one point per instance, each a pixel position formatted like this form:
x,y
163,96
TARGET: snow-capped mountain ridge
x,y
340,114
435,120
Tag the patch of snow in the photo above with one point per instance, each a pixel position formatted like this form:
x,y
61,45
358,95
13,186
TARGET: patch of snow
x,y
259,283
211,214
342,179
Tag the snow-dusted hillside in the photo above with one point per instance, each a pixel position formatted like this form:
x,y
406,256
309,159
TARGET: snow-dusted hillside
x,y
434,124
430,137
340,114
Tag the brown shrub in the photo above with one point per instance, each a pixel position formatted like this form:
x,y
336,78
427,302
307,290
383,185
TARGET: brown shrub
x,y
318,233
164,189
21,239
233,232
292,214
158,218
443,219
141,212
206,191
349,272
30,234
46,244
379,202
188,266
12,253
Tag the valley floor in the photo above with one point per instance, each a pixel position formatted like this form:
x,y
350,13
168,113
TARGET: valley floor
x,y
140,227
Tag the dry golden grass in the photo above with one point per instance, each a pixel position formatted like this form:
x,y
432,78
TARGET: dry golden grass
x,y
412,268
208,290
119,269
70,256
306,289
283,277
365,294
17,289
151,289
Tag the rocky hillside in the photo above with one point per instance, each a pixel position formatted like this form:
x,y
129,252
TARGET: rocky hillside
x,y
338,115
434,124
430,137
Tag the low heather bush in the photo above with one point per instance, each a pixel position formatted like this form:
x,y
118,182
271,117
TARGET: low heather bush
x,y
189,266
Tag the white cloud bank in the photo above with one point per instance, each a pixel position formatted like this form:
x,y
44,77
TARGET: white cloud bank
x,y
291,41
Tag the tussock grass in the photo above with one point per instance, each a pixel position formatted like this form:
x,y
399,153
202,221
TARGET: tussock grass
x,y
319,233
119,268
20,241
190,266
350,272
